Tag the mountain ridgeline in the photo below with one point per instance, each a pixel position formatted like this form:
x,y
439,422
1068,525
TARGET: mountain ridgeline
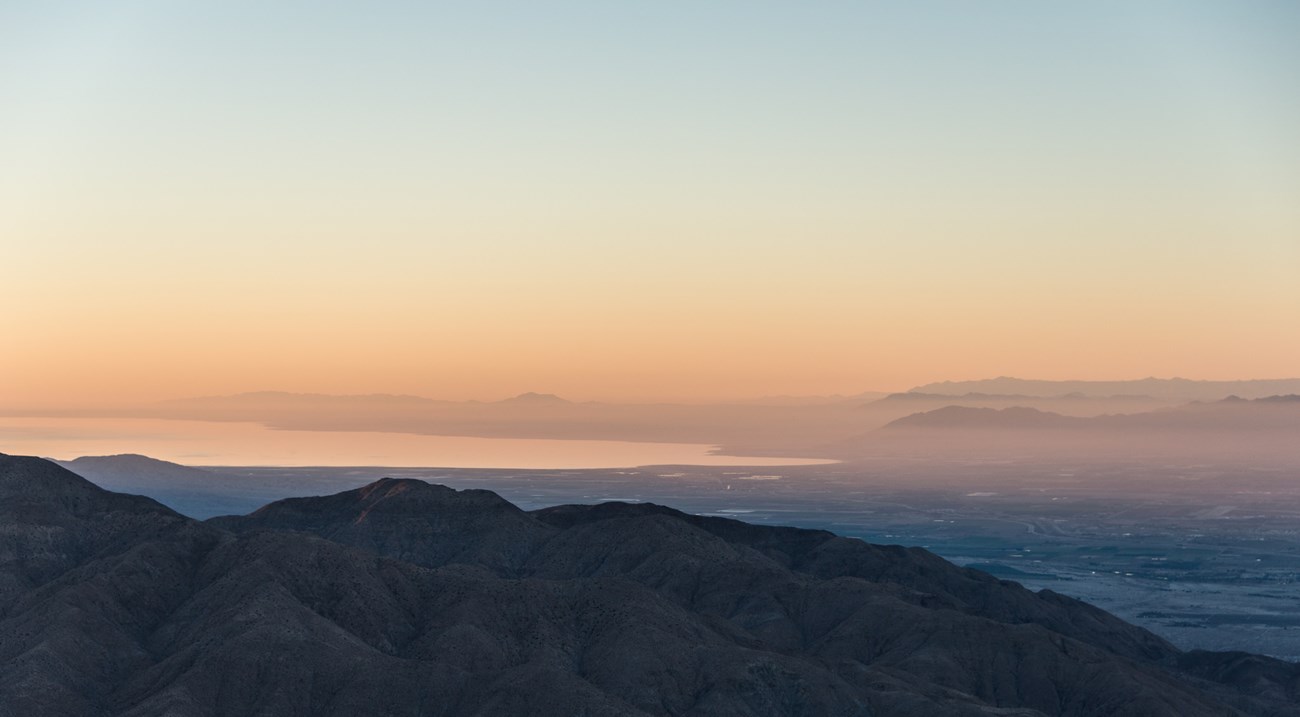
x,y
1177,389
1260,431
787,426
195,492
406,598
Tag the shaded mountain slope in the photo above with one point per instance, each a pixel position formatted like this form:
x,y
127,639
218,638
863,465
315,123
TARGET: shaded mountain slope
x,y
920,576
695,560
52,521
196,492
410,520
599,610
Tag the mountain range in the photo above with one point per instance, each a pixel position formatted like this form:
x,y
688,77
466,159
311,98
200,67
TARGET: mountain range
x,y
407,598
779,426
1271,413
1175,389
1232,430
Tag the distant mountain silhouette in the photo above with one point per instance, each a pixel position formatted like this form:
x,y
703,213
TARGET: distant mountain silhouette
x,y
403,598
536,399
131,471
1070,404
1232,430
1177,389
196,492
1230,414
965,417
1007,397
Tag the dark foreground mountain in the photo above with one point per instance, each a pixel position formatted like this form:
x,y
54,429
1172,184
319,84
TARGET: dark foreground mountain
x,y
404,598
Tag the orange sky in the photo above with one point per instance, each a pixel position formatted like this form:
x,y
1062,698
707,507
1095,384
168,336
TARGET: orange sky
x,y
790,205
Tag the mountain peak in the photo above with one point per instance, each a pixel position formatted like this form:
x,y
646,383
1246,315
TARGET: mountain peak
x,y
399,495
392,487
51,519
537,399
417,521
36,488
35,479
121,460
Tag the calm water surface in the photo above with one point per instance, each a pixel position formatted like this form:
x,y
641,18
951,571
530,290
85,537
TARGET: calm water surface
x,y
213,443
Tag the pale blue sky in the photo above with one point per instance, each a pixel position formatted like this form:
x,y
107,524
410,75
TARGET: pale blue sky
x,y
1096,155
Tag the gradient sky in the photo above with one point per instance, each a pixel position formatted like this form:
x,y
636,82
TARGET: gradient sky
x,y
668,200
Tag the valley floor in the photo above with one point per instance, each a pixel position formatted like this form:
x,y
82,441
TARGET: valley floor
x,y
1203,556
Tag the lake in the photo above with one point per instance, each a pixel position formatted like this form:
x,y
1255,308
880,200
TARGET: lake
x,y
214,443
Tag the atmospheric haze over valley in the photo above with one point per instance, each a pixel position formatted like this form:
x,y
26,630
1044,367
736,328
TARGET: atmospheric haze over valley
x,y
1173,503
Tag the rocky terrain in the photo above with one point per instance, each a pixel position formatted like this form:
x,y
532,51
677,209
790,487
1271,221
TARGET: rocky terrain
x,y
406,598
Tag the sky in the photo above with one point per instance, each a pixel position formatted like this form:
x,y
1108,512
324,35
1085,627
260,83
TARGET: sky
x,y
681,201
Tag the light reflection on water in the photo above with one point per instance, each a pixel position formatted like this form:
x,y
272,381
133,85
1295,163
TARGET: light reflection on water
x,y
214,443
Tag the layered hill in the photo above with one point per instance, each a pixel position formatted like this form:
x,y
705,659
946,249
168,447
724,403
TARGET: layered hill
x,y
1175,389
1233,429
1271,413
405,598
898,405
196,492
779,426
